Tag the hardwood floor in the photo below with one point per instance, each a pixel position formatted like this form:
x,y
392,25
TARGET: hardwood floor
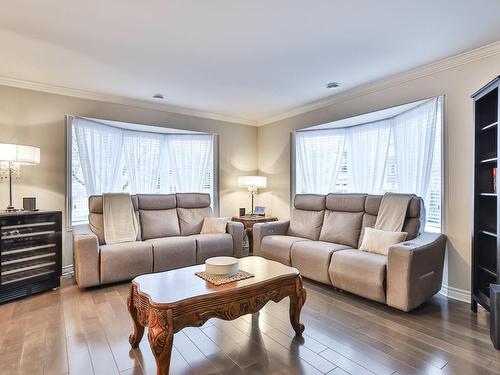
x,y
75,332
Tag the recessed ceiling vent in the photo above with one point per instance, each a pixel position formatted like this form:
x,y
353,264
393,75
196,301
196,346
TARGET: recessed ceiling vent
x,y
158,96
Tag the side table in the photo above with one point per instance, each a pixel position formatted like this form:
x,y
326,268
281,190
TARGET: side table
x,y
249,221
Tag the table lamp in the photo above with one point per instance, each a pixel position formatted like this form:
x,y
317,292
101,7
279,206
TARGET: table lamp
x,y
252,183
11,158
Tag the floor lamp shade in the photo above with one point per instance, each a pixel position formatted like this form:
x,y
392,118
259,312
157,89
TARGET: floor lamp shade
x,y
13,156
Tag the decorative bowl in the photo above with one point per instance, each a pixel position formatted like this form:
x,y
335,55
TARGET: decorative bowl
x,y
224,266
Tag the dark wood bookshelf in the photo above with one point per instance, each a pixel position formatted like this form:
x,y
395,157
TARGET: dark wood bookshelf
x,y
485,240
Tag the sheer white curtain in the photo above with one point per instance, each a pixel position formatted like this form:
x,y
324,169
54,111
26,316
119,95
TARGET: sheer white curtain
x,y
318,156
100,150
414,141
190,158
142,152
367,148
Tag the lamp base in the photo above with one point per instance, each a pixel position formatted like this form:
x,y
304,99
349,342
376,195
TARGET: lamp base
x,y
11,209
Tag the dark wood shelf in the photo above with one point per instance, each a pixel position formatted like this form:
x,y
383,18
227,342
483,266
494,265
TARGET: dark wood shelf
x,y
490,160
486,226
487,270
490,126
488,233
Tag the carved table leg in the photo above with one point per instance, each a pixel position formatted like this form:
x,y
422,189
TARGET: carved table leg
x,y
136,337
296,302
161,339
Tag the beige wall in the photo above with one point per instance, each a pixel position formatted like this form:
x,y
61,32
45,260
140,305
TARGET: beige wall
x,y
457,85
38,119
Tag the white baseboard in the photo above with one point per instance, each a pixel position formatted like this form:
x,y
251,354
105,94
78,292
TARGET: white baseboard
x,y
455,293
68,270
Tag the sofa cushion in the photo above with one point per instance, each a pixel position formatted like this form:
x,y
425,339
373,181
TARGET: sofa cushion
x,y
126,260
95,203
159,223
359,272
214,225
304,223
191,219
173,252
341,227
379,241
415,216
310,202
212,245
96,225
412,226
312,258
346,202
193,200
156,201
278,247
368,221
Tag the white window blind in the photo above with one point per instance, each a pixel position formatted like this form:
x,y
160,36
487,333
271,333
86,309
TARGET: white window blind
x,y
145,162
397,154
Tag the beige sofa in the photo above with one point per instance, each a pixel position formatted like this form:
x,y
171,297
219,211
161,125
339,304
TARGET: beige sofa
x,y
169,238
322,238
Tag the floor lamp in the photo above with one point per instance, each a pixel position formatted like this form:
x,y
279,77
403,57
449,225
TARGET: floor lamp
x,y
12,156
253,183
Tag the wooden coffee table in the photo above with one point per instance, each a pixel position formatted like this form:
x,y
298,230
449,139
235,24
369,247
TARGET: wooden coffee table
x,y
169,301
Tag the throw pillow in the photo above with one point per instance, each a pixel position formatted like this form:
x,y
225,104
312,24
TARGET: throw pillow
x,y
214,225
379,241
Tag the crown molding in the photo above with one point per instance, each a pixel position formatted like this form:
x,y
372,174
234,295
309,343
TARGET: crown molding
x,y
391,81
117,99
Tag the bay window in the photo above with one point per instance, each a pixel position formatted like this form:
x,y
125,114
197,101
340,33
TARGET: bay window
x,y
108,158
400,153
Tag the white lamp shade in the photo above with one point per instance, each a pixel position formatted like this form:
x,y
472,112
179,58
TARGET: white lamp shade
x,y
252,181
19,154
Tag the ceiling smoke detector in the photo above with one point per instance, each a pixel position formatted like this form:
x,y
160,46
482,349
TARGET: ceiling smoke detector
x,y
332,85
158,96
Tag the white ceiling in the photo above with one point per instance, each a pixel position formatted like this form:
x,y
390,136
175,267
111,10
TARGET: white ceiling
x,y
248,59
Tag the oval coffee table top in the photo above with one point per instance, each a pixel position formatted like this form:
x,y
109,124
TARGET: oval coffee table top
x,y
181,284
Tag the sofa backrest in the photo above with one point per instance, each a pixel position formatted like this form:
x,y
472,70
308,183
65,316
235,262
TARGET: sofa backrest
x,y
95,216
341,218
307,216
415,216
159,215
192,208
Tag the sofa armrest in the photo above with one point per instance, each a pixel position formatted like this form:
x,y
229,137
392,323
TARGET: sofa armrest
x,y
85,256
415,270
236,230
260,230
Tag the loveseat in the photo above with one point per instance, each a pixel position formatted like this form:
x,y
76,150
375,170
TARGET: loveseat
x,y
169,237
323,236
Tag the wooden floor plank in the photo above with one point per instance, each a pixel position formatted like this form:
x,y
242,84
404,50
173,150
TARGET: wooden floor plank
x,y
71,331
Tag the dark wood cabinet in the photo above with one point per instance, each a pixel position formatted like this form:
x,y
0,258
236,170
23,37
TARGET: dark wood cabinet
x,y
485,241
30,253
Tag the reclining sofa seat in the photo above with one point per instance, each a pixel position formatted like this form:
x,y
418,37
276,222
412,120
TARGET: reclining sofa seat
x,y
169,237
323,236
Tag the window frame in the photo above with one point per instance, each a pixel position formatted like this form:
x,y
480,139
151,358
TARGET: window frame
x,y
443,126
69,156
